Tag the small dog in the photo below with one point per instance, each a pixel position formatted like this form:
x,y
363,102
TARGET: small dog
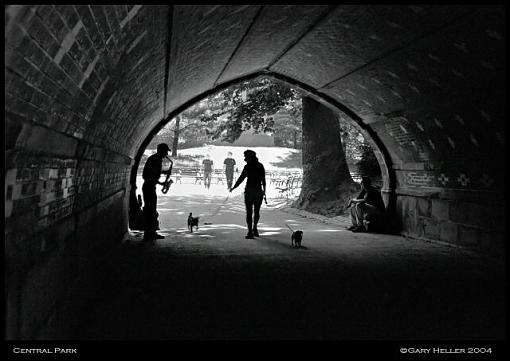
x,y
192,222
296,238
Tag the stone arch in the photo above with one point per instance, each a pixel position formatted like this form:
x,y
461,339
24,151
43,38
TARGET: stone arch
x,y
84,84
378,146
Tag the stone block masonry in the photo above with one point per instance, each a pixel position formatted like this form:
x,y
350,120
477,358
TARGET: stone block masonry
x,y
454,220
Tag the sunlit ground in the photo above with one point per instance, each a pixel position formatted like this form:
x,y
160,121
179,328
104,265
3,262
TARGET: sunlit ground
x,y
221,212
222,216
217,190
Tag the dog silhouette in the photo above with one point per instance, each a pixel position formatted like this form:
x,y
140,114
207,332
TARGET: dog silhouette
x,y
192,222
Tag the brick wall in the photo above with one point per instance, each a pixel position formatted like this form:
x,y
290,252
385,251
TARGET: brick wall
x,y
49,204
69,115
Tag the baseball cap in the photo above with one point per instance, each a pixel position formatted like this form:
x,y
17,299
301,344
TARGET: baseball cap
x,y
163,147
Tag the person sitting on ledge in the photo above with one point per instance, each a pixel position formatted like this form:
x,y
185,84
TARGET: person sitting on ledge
x,y
368,204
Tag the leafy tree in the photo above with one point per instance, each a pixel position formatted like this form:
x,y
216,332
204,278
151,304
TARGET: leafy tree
x,y
368,164
358,152
288,124
225,115
250,104
351,140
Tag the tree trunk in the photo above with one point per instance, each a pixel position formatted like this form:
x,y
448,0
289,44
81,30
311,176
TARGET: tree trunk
x,y
176,136
327,183
295,139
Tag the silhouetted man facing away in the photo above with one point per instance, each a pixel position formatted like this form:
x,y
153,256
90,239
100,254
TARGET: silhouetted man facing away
x,y
229,164
254,192
207,163
151,174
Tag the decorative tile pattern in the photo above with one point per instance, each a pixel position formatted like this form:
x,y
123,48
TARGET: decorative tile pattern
x,y
461,181
443,179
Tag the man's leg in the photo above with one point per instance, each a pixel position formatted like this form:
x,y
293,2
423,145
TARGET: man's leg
x,y
368,210
229,177
249,212
357,216
149,209
248,202
256,216
354,217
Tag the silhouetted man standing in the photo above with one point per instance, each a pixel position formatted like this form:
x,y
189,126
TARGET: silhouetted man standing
x,y
151,173
229,164
254,192
207,163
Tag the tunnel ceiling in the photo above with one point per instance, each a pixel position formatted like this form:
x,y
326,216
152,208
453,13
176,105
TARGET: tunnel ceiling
x,y
427,80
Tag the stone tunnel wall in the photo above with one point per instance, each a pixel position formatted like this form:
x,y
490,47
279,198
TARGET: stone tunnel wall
x,y
67,159
60,214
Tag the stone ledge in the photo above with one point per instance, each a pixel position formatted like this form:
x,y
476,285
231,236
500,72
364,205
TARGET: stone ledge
x,y
472,251
463,195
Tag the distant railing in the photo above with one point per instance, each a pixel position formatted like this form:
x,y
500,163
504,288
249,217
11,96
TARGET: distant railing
x,y
273,177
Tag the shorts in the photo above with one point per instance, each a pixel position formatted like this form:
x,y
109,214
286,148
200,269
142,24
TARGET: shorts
x,y
253,196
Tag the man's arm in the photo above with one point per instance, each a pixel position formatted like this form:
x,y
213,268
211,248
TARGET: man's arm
x,y
361,198
240,179
168,170
263,179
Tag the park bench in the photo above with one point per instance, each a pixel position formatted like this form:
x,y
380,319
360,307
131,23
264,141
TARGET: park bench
x,y
219,175
273,177
288,185
196,174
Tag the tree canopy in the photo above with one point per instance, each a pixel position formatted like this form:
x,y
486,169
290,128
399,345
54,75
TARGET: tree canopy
x,y
248,105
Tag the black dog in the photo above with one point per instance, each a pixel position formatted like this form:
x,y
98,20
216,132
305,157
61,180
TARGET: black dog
x,y
296,238
192,222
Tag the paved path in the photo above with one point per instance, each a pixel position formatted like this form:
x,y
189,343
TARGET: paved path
x,y
215,284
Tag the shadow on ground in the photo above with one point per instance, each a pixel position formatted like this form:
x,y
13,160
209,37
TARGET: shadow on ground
x,y
195,288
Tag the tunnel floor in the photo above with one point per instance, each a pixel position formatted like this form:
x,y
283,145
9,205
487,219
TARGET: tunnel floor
x,y
214,284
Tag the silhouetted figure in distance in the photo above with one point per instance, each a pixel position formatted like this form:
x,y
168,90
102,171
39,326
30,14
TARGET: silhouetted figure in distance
x,y
228,166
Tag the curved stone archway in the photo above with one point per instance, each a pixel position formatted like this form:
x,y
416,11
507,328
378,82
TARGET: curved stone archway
x,y
381,153
85,85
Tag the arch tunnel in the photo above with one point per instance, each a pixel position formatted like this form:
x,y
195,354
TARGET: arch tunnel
x,y
86,86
